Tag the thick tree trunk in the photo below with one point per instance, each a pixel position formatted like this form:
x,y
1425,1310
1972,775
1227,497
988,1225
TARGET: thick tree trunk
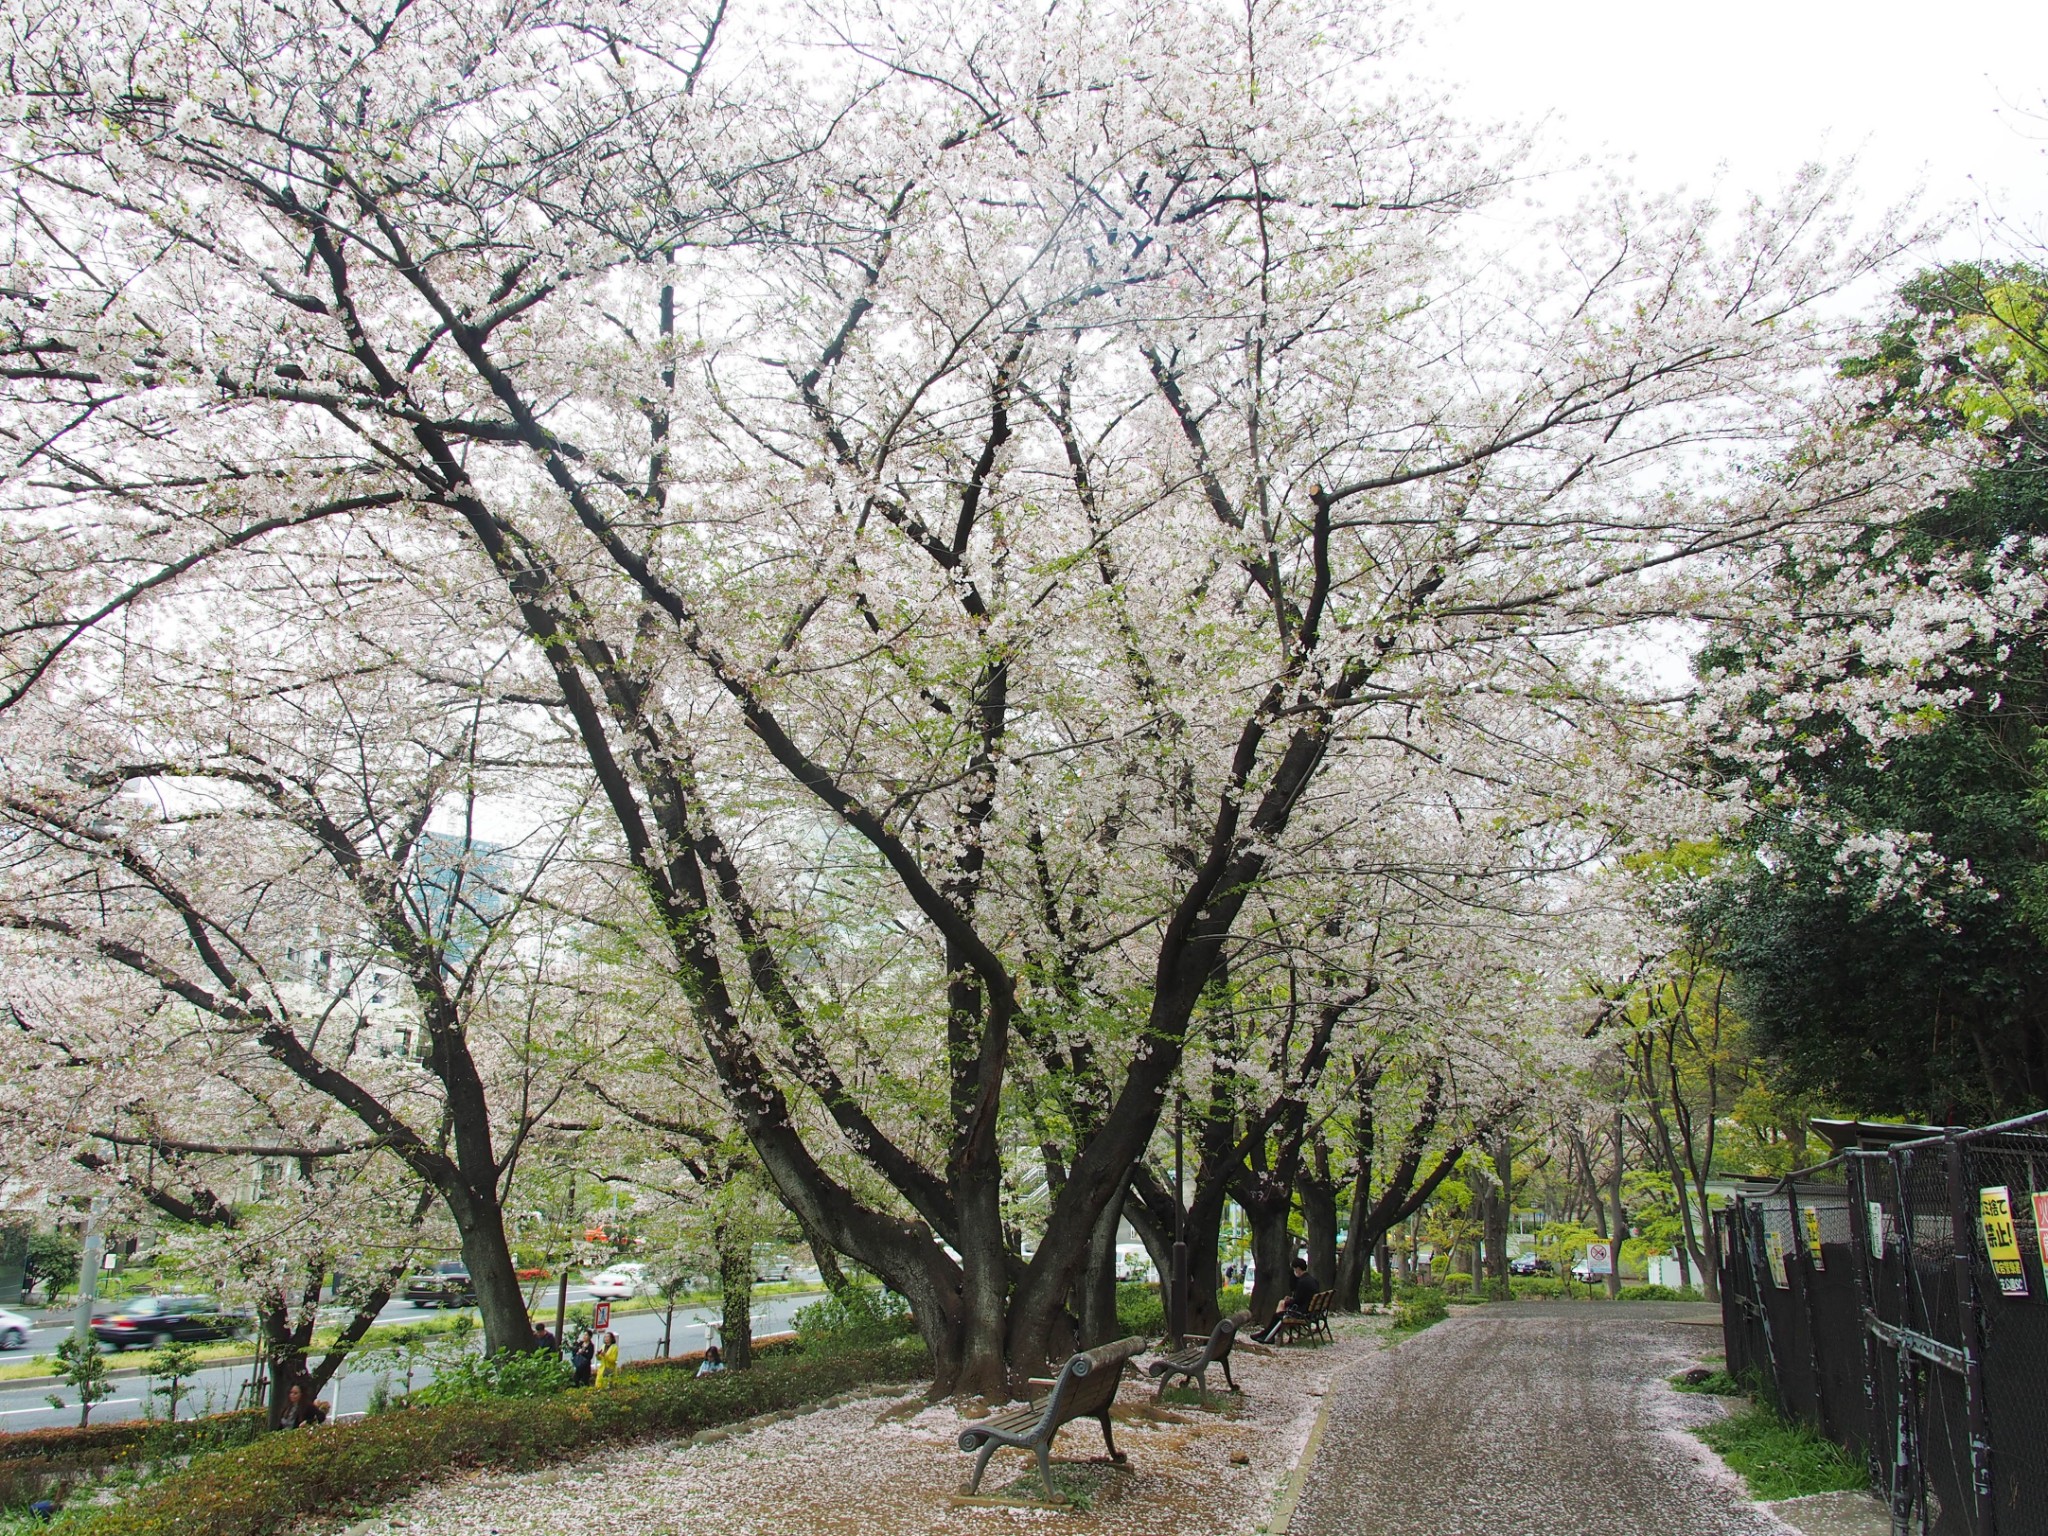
x,y
1349,1275
499,1299
1500,1204
1097,1288
736,1293
1617,1217
1272,1256
1317,1192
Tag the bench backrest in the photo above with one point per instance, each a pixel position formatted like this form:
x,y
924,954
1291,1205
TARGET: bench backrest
x,y
1223,1335
1088,1382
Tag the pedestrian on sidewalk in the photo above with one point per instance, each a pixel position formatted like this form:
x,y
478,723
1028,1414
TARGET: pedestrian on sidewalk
x,y
1297,1303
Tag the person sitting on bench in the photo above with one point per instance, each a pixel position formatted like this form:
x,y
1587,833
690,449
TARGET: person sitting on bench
x,y
1296,1304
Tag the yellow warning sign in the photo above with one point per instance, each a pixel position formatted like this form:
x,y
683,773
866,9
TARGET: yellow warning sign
x,y
2002,1239
1813,1252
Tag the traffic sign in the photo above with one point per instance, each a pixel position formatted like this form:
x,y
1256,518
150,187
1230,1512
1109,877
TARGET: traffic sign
x,y
601,1317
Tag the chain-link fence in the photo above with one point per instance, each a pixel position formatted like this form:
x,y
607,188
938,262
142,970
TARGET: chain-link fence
x,y
1897,1300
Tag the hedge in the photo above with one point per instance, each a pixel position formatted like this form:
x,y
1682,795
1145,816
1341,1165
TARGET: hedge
x,y
266,1486
31,1460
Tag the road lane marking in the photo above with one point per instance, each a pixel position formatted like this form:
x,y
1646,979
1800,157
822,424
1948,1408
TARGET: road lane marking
x,y
112,1402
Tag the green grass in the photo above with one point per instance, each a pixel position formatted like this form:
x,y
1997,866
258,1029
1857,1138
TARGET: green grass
x,y
1781,1460
1714,1383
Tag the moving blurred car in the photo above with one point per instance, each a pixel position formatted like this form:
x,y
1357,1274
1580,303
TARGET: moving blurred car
x,y
1526,1264
620,1281
447,1284
150,1320
14,1329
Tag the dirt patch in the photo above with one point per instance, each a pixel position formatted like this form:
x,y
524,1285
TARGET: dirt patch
x,y
869,1469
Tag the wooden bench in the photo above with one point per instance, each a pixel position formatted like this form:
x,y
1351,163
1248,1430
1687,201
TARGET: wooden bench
x,y
1084,1389
1313,1323
1193,1364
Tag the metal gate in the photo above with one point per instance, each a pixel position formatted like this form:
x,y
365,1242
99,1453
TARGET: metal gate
x,y
1897,1301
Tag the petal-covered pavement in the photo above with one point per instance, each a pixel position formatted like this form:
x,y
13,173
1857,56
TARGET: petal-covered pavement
x,y
1533,1419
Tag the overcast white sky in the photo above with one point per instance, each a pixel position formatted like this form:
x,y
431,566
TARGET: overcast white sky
x,y
1922,95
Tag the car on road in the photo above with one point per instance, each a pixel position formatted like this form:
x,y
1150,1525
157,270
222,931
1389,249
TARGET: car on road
x,y
1527,1264
447,1284
144,1321
620,1281
14,1329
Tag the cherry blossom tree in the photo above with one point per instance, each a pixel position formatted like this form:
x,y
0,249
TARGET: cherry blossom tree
x,y
990,499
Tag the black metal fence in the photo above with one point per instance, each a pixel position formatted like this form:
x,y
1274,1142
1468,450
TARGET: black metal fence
x,y
1897,1300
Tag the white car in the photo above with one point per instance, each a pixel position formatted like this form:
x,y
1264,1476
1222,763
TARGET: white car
x,y
14,1329
619,1282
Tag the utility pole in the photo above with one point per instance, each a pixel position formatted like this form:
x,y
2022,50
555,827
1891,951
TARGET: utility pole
x,y
1177,1320
562,1283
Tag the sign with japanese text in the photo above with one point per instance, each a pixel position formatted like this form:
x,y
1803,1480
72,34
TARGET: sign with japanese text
x,y
1774,1250
601,1315
1599,1258
1813,1252
2002,1239
2041,1228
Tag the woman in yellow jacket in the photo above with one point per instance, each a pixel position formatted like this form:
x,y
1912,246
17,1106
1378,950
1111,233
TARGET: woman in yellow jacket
x,y
608,1359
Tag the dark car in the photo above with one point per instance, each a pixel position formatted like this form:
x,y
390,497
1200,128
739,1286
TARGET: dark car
x,y
150,1320
447,1284
1526,1264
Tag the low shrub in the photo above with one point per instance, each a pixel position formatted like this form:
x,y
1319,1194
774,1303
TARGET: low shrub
x,y
531,1373
1420,1310
1457,1282
1658,1293
1538,1288
281,1478
858,1317
1139,1311
32,1460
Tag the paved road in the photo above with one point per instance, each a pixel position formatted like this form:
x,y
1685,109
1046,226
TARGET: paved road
x,y
44,1340
1527,1420
639,1336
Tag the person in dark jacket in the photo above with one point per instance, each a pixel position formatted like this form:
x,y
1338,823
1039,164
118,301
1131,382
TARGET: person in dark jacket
x,y
299,1413
581,1357
1299,1295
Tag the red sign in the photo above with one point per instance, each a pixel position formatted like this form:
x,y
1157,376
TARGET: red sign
x,y
602,1316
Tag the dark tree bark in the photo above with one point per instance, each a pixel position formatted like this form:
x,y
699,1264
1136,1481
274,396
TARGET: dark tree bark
x,y
1618,1217
1317,1193
1499,1206
736,1295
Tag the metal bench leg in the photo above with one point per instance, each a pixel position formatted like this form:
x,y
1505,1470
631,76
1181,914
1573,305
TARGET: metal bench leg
x,y
1045,1471
1115,1455
988,1449
1202,1384
1225,1363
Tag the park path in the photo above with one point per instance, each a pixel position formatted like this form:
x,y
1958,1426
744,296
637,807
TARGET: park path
x,y
1530,1419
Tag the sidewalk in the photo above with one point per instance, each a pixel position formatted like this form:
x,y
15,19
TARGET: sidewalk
x,y
1515,1420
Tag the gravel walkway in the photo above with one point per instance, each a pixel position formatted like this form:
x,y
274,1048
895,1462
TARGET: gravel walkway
x,y
1528,1420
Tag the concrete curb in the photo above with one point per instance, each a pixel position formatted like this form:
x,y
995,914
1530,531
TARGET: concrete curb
x,y
1297,1478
